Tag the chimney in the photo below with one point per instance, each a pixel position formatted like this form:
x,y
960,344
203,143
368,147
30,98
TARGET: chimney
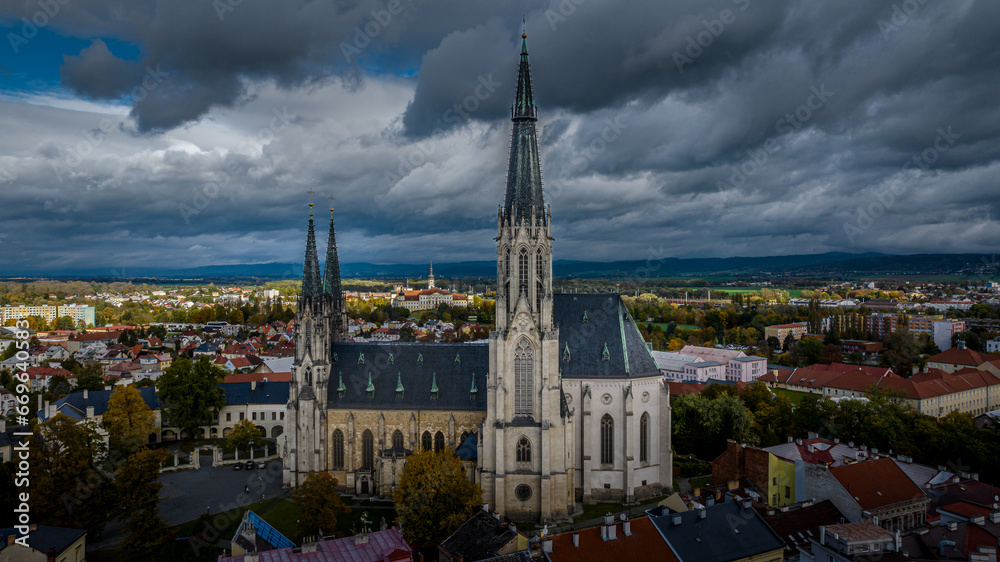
x,y
547,545
710,502
978,520
702,513
812,448
90,411
676,519
952,526
86,393
836,440
822,535
995,517
627,528
746,503
813,435
576,539
790,439
253,385
10,540
50,554
308,545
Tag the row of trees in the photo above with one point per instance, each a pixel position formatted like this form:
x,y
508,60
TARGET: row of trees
x,y
702,424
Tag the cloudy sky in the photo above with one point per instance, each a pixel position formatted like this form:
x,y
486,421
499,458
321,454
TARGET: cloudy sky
x,y
189,132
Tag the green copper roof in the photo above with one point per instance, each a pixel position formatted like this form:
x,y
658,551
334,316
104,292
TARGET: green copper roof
x,y
434,383
399,382
371,387
340,384
474,389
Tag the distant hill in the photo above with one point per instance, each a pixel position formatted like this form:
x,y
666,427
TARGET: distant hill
x,y
832,263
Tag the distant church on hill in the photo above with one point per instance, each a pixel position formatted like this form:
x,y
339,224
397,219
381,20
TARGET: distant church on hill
x,y
564,404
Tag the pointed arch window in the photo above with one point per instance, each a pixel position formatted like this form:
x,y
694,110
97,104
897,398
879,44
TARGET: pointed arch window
x,y
538,280
465,435
338,449
438,442
367,450
523,450
397,440
607,439
522,272
425,441
506,278
524,364
644,437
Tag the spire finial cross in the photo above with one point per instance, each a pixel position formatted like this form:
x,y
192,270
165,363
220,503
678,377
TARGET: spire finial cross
x,y
524,33
310,203
331,204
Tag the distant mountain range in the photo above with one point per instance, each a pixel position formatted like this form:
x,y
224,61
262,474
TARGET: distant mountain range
x,y
828,264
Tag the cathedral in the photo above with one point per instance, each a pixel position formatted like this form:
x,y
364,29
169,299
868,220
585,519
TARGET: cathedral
x,y
564,404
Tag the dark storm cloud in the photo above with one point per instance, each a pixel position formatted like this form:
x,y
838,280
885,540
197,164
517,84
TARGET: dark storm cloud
x,y
666,129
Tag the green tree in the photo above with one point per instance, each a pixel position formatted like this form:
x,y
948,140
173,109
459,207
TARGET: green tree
x,y
67,488
139,503
434,496
190,393
9,352
129,421
64,323
89,376
59,386
244,432
128,338
320,503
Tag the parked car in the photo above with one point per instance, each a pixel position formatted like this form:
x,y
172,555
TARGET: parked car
x,y
249,465
238,466
261,464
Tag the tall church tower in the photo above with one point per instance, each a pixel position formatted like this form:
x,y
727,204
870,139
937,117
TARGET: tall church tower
x,y
320,320
526,450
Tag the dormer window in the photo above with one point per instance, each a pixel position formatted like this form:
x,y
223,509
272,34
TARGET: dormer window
x,y
458,359
605,355
566,353
391,360
361,359
434,386
420,359
370,389
399,384
341,389
474,391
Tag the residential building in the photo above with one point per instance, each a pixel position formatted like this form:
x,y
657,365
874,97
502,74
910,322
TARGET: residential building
x,y
993,345
629,539
944,330
957,358
702,364
385,546
865,348
8,401
853,541
78,312
975,539
731,530
482,536
782,331
875,491
45,543
798,523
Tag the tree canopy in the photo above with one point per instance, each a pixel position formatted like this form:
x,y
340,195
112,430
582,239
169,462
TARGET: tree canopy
x,y
139,502
320,503
434,496
190,393
244,432
129,421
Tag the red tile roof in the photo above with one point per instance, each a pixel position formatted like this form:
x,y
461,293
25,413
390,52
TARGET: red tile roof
x,y
645,543
967,509
877,483
956,356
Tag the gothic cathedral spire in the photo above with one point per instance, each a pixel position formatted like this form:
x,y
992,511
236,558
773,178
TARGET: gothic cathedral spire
x,y
331,278
523,203
311,281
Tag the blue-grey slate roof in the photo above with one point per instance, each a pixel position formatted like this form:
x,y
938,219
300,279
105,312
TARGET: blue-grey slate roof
x,y
419,366
589,322
270,392
45,537
75,405
728,532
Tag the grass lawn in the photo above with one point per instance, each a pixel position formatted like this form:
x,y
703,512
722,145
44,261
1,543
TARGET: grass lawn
x,y
596,510
792,395
701,481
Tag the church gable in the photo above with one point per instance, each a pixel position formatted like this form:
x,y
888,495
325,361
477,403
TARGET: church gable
x,y
409,376
599,339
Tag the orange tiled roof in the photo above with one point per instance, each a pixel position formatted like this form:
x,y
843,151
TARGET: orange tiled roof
x,y
645,543
877,483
